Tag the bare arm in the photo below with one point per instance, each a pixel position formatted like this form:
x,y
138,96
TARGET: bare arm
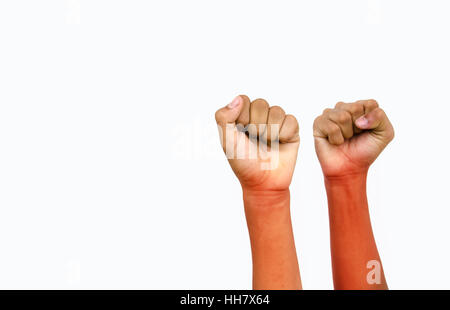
x,y
275,264
353,250
263,159
348,139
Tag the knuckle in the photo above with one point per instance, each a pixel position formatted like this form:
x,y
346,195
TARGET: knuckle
x,y
326,111
333,129
379,112
317,121
218,116
292,119
391,135
277,110
357,108
260,103
370,105
372,102
343,117
340,103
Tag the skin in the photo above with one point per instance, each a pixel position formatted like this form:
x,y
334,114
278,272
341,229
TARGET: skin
x,y
265,175
348,139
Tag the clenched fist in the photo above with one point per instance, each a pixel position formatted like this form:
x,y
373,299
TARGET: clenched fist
x,y
261,143
350,137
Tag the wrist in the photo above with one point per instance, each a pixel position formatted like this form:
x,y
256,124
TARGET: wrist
x,y
263,199
267,210
347,192
351,179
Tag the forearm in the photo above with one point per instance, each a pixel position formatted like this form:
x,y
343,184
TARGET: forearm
x,y
275,264
355,259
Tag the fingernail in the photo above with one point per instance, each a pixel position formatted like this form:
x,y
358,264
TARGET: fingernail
x,y
362,122
234,103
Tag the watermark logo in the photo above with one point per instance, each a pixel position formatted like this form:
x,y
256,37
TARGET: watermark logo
x,y
253,142
73,12
73,272
374,275
373,12
197,140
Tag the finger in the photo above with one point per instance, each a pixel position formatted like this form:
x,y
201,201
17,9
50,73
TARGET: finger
x,y
343,119
274,122
230,113
355,109
340,104
327,129
226,123
244,118
369,105
289,131
377,121
259,110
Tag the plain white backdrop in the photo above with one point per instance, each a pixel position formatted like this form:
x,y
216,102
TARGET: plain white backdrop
x,y
111,173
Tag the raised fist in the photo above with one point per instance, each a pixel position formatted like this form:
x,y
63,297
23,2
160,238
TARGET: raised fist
x,y
350,137
260,142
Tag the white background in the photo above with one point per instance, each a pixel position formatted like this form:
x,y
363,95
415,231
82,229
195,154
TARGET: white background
x,y
111,173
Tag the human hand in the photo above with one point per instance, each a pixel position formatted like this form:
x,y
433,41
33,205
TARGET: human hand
x,y
350,137
260,142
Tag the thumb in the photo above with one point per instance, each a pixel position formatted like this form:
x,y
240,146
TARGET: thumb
x,y
226,123
230,113
377,121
